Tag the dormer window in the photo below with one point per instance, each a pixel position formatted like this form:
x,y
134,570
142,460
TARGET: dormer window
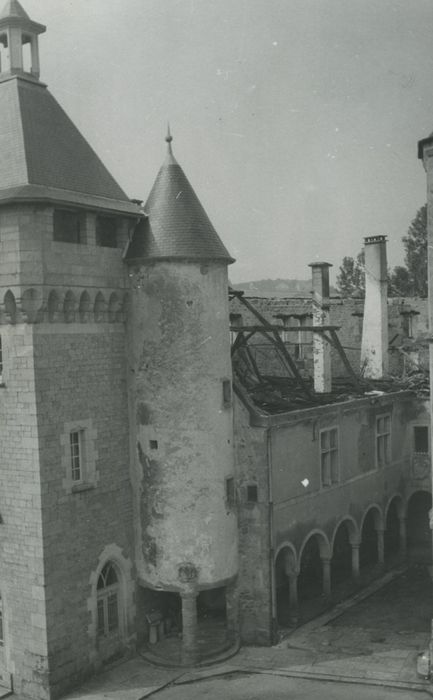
x,y
67,226
106,231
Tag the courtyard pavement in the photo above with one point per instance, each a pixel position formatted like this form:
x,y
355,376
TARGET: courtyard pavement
x,y
374,638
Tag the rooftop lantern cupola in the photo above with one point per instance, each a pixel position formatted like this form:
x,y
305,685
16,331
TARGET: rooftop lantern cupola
x,y
19,50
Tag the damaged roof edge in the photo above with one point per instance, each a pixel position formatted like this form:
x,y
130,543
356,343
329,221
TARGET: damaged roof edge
x,y
262,420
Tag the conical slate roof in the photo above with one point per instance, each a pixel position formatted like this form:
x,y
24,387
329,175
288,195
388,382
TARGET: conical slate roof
x,y
177,226
13,9
45,157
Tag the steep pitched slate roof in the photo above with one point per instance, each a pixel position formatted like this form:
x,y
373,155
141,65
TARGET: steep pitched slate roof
x,y
44,156
177,226
13,9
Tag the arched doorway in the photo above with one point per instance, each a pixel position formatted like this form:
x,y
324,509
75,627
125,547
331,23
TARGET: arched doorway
x,y
392,541
109,622
418,526
286,587
341,562
369,547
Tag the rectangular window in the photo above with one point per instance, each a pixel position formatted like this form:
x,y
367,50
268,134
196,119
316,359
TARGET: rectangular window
x,y
383,440
106,231
1,361
420,439
76,440
230,491
329,466
252,495
67,226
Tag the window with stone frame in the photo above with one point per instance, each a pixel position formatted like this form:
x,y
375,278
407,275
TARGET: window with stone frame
x,y
79,455
383,439
107,592
329,458
68,226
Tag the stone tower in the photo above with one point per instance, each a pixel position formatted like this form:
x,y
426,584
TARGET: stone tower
x,y
66,532
181,407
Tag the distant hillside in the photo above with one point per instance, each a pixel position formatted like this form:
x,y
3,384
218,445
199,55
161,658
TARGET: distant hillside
x,y
277,288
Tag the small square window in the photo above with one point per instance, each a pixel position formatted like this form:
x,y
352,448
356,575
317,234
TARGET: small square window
x,y
252,494
230,491
153,444
420,439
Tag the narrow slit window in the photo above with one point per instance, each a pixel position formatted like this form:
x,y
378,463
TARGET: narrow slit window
x,y
227,392
1,361
230,491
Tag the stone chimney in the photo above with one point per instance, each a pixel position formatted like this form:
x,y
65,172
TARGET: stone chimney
x,y
321,347
374,347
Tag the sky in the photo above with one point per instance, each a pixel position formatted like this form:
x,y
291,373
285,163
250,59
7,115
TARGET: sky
x,y
296,121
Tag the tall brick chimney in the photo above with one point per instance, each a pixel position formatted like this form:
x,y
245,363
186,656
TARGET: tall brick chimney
x,y
321,348
374,347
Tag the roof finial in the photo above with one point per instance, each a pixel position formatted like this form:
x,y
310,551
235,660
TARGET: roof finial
x,y
169,138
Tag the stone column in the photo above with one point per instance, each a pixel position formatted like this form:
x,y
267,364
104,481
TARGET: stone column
x,y
380,546
403,536
293,597
326,569
189,629
355,561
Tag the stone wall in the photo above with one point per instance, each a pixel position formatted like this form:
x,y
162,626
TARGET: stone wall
x,y
80,381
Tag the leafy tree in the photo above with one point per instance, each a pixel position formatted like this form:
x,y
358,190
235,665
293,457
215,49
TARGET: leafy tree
x,y
415,244
351,278
399,282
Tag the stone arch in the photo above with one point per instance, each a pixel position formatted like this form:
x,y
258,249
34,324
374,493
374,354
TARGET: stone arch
x,y
69,307
10,306
100,308
53,306
289,553
372,528
112,554
419,537
324,546
114,308
345,535
314,561
84,307
286,573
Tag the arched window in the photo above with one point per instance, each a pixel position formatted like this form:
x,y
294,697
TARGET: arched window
x,y
107,590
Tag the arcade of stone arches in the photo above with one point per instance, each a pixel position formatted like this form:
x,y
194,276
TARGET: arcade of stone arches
x,y
325,570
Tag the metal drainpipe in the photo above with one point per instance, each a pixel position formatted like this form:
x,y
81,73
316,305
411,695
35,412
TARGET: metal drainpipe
x,y
271,534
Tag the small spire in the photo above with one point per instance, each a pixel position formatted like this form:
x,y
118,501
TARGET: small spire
x,y
169,138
